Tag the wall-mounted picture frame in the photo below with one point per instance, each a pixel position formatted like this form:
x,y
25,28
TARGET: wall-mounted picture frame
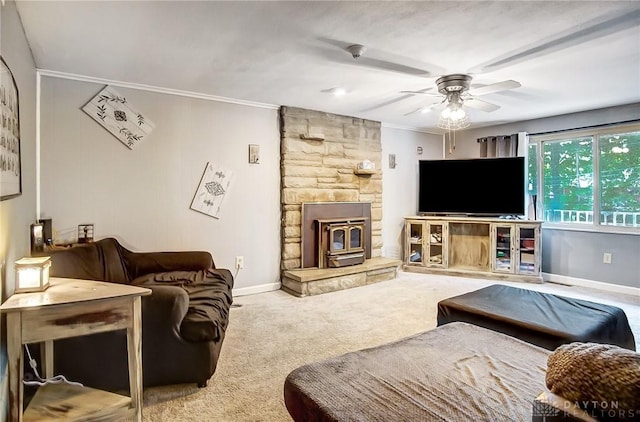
x,y
212,189
254,154
10,164
114,112
392,161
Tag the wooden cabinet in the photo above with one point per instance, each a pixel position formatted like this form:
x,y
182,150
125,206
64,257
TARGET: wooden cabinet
x,y
436,245
528,249
414,244
474,247
502,248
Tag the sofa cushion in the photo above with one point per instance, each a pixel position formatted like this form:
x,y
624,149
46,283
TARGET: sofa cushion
x,y
98,260
210,298
602,378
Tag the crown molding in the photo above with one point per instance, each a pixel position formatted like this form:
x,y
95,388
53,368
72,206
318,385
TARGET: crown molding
x,y
413,129
150,88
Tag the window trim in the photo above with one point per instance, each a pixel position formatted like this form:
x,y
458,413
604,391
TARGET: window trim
x,y
594,132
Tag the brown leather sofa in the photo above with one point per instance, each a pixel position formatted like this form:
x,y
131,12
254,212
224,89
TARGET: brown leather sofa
x,y
183,320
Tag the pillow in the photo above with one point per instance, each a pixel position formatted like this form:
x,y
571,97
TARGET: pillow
x,y
601,378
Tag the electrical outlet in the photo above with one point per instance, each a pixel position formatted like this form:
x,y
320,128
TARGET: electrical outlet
x,y
606,258
239,262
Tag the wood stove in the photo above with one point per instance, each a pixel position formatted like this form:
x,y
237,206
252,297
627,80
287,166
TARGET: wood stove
x,y
341,242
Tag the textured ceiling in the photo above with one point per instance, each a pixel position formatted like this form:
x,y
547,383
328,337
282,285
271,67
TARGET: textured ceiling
x,y
569,56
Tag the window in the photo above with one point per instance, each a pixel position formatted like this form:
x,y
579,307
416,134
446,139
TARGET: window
x,y
587,178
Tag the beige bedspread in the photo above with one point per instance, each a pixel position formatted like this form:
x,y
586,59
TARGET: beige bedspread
x,y
456,372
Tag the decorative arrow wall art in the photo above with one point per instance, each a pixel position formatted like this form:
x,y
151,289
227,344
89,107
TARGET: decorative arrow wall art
x,y
213,186
116,114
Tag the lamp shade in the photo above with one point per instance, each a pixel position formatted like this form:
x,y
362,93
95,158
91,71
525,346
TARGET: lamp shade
x,y
32,274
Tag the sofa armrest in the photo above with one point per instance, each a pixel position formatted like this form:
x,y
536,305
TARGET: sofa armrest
x,y
141,263
164,309
549,407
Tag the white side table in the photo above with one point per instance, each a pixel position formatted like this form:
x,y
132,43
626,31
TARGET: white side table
x,y
70,308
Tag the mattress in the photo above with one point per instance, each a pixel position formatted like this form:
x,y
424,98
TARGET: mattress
x,y
456,372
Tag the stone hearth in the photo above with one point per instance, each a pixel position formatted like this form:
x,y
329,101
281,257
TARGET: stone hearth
x,y
314,281
320,153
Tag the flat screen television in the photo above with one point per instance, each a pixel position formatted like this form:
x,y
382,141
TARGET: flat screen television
x,y
474,187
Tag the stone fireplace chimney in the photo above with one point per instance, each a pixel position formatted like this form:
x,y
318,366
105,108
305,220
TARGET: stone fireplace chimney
x,y
320,158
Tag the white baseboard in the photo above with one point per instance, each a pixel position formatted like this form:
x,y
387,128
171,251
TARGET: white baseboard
x,y
262,288
561,279
573,281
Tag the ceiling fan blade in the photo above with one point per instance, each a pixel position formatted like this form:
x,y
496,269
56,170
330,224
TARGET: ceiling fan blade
x,y
428,107
414,111
579,35
392,67
497,87
431,94
360,55
480,105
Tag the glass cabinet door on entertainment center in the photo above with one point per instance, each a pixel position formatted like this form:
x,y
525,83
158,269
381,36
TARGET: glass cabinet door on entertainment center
x,y
436,244
502,248
414,249
528,249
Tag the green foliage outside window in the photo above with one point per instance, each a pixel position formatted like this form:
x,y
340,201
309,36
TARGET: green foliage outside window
x,y
619,178
567,170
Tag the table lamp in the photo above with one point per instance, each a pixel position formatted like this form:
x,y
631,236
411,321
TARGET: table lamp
x,y
32,274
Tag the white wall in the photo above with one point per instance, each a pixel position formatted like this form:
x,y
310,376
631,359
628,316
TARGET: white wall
x,y
399,185
142,196
16,214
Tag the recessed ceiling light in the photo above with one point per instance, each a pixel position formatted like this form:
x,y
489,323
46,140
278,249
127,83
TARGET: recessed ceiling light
x,y
339,92
336,91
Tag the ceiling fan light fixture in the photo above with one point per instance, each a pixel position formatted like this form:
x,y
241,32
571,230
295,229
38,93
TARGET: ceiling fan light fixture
x,y
454,124
458,114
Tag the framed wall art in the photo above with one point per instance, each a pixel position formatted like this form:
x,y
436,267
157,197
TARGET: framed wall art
x,y
114,112
10,166
212,189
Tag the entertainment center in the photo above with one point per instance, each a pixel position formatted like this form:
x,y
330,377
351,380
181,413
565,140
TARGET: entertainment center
x,y
489,247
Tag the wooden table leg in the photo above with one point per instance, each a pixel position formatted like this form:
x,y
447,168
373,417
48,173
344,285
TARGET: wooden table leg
x,y
46,351
134,349
15,356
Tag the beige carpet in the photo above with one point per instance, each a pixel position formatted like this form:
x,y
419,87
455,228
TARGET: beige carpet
x,y
272,333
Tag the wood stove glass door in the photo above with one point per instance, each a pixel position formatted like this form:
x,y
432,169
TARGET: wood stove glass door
x,y
338,240
355,238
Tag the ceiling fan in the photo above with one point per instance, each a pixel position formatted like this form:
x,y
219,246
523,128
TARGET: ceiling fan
x,y
457,88
454,91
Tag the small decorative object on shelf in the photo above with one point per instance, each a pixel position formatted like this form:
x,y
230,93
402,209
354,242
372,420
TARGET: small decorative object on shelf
x,y
37,238
365,168
366,165
85,233
436,237
32,274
